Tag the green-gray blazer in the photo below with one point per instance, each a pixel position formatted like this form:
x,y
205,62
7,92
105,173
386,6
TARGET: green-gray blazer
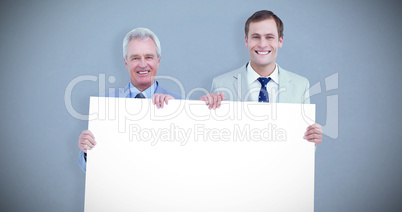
x,y
292,87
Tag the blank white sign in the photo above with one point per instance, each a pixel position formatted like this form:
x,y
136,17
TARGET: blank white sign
x,y
243,156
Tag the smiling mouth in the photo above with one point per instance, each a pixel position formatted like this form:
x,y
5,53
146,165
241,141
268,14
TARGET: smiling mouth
x,y
263,52
143,72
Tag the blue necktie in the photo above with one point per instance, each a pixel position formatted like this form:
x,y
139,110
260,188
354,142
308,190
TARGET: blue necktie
x,y
140,96
263,97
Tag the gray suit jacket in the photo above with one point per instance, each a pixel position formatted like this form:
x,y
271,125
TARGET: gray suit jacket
x,y
292,87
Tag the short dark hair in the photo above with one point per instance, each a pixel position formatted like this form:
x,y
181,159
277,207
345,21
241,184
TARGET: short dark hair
x,y
264,15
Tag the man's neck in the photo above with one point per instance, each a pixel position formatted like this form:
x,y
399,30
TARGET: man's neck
x,y
264,71
147,91
142,88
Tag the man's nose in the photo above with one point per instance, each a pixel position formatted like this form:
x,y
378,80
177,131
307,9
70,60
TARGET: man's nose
x,y
143,64
263,43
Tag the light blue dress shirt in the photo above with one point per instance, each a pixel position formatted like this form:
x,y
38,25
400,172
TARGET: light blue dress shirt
x,y
148,93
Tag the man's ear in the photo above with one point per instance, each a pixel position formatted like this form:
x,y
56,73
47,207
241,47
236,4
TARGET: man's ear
x,y
245,39
280,42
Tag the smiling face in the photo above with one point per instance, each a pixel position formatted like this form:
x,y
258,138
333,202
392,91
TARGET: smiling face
x,y
263,43
142,62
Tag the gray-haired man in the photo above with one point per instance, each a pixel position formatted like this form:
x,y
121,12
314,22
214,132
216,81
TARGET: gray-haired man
x,y
142,55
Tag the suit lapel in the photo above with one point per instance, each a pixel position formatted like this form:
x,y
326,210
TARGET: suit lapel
x,y
240,84
160,90
125,92
241,87
285,86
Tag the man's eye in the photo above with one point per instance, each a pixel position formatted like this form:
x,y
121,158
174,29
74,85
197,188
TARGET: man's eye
x,y
255,37
134,58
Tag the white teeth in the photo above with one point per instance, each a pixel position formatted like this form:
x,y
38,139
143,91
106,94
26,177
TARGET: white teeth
x,y
262,52
143,72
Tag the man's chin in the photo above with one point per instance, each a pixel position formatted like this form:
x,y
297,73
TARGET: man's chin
x,y
261,63
145,83
142,83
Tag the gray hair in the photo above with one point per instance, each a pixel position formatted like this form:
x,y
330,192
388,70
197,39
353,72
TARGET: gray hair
x,y
141,34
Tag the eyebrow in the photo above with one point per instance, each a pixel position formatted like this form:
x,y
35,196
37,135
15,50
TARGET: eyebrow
x,y
263,34
146,55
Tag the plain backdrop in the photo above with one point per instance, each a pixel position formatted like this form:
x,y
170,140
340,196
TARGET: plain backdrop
x,y
47,45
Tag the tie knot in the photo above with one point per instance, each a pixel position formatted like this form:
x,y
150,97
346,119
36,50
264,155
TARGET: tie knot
x,y
140,96
264,80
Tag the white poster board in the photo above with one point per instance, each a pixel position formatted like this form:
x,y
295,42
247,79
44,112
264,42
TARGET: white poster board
x,y
243,156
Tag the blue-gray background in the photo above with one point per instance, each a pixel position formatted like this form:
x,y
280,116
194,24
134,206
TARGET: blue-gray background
x,y
47,44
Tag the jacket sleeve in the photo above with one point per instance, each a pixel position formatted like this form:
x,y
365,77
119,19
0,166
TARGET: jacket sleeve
x,y
307,93
82,161
214,87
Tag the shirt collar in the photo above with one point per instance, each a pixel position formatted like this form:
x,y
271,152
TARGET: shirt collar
x,y
148,93
252,76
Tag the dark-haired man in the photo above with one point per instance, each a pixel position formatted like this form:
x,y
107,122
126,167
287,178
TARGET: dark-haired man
x,y
261,79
